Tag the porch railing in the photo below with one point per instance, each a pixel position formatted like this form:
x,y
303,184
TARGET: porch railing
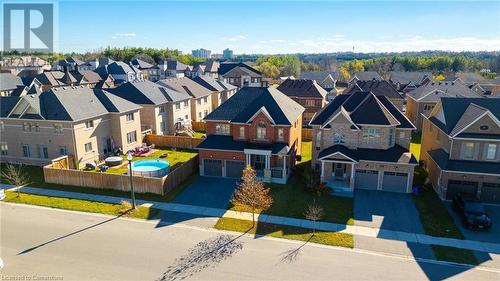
x,y
277,173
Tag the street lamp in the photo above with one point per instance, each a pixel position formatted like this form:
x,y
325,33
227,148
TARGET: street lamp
x,y
129,158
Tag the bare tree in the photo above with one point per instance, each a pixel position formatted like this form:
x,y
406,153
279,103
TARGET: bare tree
x,y
314,212
15,175
251,192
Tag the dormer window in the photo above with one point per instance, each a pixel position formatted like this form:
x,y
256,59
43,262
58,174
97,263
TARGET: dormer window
x,y
338,138
261,130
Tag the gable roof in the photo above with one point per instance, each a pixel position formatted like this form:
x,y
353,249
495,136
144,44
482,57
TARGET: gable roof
x,y
248,101
228,66
302,88
407,77
431,92
213,84
185,85
212,66
141,64
176,65
9,81
119,67
147,92
364,108
379,88
239,71
86,76
460,112
367,75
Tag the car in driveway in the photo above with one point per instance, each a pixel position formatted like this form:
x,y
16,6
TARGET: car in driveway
x,y
472,213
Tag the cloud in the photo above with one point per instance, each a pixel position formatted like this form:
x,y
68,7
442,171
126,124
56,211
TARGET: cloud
x,y
234,38
122,35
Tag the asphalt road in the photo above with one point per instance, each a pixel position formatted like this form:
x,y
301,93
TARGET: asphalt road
x,y
45,244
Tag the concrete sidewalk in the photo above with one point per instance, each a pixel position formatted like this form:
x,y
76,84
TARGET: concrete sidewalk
x,y
325,226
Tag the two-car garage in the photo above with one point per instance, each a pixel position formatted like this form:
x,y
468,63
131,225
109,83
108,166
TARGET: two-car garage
x,y
488,193
391,181
222,168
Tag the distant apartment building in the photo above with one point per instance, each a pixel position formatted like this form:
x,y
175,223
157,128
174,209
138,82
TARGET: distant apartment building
x,y
88,124
201,53
227,54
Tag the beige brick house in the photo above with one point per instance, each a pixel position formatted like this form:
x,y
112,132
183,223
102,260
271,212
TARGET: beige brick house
x,y
461,147
361,141
379,88
87,124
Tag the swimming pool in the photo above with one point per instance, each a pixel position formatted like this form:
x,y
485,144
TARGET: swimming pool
x,y
151,168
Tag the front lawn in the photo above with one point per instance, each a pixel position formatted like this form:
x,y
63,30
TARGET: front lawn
x,y
79,205
286,232
451,254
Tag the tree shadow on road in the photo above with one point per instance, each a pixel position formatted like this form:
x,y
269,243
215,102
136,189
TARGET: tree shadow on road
x,y
292,255
205,254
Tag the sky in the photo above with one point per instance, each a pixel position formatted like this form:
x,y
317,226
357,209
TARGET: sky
x,y
279,27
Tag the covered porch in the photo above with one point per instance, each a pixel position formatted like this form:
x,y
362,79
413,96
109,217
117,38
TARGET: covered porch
x,y
269,167
338,175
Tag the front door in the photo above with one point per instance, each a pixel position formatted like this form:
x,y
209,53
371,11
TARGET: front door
x,y
339,170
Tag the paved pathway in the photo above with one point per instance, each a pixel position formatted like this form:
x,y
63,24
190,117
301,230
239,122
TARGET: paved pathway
x,y
325,226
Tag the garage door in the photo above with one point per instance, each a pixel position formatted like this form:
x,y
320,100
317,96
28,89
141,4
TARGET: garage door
x,y
212,167
234,168
366,179
396,182
490,193
455,186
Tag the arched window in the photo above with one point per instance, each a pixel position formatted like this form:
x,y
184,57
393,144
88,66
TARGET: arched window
x,y
261,130
338,138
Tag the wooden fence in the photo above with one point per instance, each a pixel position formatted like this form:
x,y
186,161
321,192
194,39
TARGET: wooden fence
x,y
198,126
306,134
64,162
65,176
172,141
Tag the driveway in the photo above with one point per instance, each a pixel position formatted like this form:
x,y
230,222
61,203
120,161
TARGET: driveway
x,y
492,235
208,192
386,210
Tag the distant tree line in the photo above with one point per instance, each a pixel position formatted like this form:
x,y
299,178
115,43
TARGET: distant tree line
x,y
283,65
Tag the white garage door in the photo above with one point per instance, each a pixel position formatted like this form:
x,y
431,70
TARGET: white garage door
x,y
394,181
366,179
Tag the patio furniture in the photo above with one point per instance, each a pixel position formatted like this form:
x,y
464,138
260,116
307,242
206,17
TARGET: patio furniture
x,y
90,165
103,168
164,155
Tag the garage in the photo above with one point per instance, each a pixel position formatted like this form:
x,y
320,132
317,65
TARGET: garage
x,y
366,179
395,182
234,168
455,186
212,167
490,193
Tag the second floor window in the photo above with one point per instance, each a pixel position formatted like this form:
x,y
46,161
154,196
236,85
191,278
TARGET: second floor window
x,y
130,117
178,106
468,150
89,124
162,108
58,128
491,151
242,132
132,137
261,130
391,137
88,147
428,107
370,135
338,138
186,104
318,140
281,134
222,129
26,150
205,100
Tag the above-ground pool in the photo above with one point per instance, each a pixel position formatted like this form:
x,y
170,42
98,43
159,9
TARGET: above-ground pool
x,y
151,168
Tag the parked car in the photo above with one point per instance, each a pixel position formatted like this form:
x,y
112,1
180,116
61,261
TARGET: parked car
x,y
472,213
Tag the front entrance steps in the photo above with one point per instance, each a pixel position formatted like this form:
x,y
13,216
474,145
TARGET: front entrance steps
x,y
340,188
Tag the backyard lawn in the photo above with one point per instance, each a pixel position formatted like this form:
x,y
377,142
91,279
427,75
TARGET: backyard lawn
x,y
199,135
415,144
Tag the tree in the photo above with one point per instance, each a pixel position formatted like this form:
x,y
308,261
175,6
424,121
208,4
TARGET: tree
x,y
344,74
251,192
15,175
315,213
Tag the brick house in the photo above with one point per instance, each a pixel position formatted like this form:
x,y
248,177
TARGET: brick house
x,y
361,141
240,75
379,88
260,127
461,147
405,81
307,93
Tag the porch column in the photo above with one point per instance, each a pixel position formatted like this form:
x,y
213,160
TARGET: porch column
x,y
351,183
268,161
284,166
247,158
322,168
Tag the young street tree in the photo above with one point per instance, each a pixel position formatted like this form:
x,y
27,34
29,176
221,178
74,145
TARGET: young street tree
x,y
314,212
15,175
251,192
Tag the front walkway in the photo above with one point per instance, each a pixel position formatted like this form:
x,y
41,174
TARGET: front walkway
x,y
325,226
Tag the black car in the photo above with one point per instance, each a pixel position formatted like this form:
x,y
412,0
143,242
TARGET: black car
x,y
472,212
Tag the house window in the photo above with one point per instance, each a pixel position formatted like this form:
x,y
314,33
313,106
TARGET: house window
x,y
26,127
401,135
162,126
261,130
58,128
370,135
222,129
130,117
318,140
178,106
162,109
43,152
242,132
198,101
2,126
186,104
468,150
26,150
132,137
281,134
63,150
88,147
391,136
4,149
186,117
37,127
199,114
89,124
205,99
428,107
206,113
338,138
491,151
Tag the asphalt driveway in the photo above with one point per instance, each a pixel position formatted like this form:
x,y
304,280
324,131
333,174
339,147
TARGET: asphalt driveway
x,y
208,192
492,235
386,210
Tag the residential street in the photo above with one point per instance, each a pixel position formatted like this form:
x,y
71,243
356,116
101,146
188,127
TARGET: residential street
x,y
51,243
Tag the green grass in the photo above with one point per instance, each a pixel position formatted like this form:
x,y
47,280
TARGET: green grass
x,y
415,144
79,205
451,254
199,135
291,199
286,232
36,179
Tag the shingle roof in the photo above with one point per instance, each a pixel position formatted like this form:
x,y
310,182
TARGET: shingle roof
x,y
367,75
212,66
119,67
249,100
147,92
302,88
407,77
379,88
239,71
75,61
442,159
86,76
364,108
52,78
141,64
9,81
319,76
185,85
395,154
7,104
219,142
176,65
228,66
432,91
213,84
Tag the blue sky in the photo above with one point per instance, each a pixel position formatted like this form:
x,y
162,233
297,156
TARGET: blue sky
x,y
280,26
